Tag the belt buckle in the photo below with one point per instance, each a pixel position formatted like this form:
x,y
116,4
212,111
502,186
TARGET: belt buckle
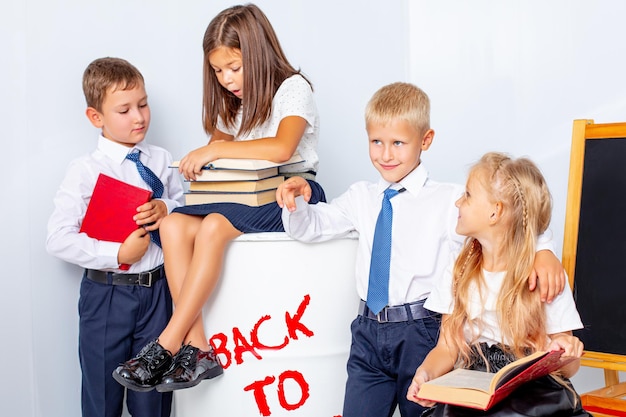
x,y
382,316
140,280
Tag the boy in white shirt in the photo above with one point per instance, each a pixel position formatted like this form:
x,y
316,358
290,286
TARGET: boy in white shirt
x,y
120,310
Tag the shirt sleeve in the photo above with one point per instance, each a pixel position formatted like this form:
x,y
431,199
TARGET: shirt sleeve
x,y
173,193
221,126
315,222
70,204
546,242
562,314
295,98
322,221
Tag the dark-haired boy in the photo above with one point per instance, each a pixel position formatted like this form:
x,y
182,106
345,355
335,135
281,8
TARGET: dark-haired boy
x,y
120,310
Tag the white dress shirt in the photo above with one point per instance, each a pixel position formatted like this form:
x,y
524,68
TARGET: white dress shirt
x,y
423,236
72,198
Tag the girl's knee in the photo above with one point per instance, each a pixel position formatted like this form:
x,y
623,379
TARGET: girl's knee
x,y
215,225
170,222
177,224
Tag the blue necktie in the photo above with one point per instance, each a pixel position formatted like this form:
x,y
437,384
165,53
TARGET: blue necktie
x,y
153,182
378,287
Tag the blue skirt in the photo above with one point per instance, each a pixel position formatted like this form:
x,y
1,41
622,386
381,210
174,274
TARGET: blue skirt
x,y
248,219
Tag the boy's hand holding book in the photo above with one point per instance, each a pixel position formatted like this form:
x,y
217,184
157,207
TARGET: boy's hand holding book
x,y
111,214
134,247
150,214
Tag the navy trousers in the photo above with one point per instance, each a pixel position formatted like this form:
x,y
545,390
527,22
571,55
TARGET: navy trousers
x,y
382,362
116,321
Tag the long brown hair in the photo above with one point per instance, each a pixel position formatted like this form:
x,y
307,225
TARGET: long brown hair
x,y
246,28
527,206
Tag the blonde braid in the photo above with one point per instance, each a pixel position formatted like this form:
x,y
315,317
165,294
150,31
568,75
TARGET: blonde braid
x,y
520,194
472,248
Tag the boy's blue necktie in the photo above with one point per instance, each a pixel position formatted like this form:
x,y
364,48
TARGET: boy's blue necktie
x,y
153,182
378,287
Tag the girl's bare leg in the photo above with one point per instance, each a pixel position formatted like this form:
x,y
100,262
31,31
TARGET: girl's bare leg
x,y
194,253
178,233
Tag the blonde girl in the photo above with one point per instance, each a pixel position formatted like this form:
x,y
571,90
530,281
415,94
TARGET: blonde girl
x,y
490,317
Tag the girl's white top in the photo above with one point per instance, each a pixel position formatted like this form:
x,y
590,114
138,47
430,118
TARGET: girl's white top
x,y
561,313
293,98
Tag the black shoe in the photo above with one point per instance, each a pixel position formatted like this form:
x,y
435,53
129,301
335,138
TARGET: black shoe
x,y
144,371
191,365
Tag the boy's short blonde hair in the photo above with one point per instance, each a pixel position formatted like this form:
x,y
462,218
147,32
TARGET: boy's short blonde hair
x,y
103,74
402,101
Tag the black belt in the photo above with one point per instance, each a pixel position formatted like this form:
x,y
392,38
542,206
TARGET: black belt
x,y
144,279
395,314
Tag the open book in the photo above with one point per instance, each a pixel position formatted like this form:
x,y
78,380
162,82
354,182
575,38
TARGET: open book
x,y
481,390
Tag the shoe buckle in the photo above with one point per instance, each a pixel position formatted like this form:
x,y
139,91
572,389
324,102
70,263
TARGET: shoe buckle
x,y
143,277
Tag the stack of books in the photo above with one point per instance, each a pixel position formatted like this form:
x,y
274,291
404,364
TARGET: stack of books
x,y
252,182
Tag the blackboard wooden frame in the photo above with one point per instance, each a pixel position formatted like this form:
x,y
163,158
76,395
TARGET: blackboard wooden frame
x,y
584,131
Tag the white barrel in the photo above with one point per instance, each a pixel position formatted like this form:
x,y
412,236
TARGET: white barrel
x,y
280,320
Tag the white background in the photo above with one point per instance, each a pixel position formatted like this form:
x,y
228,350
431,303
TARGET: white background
x,y
502,75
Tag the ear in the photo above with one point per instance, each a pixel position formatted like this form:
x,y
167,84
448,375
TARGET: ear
x,y
427,139
95,117
497,213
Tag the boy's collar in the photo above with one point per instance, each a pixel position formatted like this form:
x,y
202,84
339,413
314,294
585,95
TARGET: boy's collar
x,y
118,152
412,182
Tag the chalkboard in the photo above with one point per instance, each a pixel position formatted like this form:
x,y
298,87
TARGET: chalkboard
x,y
594,245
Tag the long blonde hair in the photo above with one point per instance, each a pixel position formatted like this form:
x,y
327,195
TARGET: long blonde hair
x,y
527,206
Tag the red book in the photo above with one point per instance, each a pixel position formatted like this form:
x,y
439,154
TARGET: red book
x,y
111,209
481,390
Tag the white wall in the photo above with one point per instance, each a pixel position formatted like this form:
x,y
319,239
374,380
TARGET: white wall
x,y
505,75
512,76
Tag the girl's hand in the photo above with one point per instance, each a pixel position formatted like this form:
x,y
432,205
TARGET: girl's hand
x,y
290,189
412,394
192,163
571,345
573,348
149,215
